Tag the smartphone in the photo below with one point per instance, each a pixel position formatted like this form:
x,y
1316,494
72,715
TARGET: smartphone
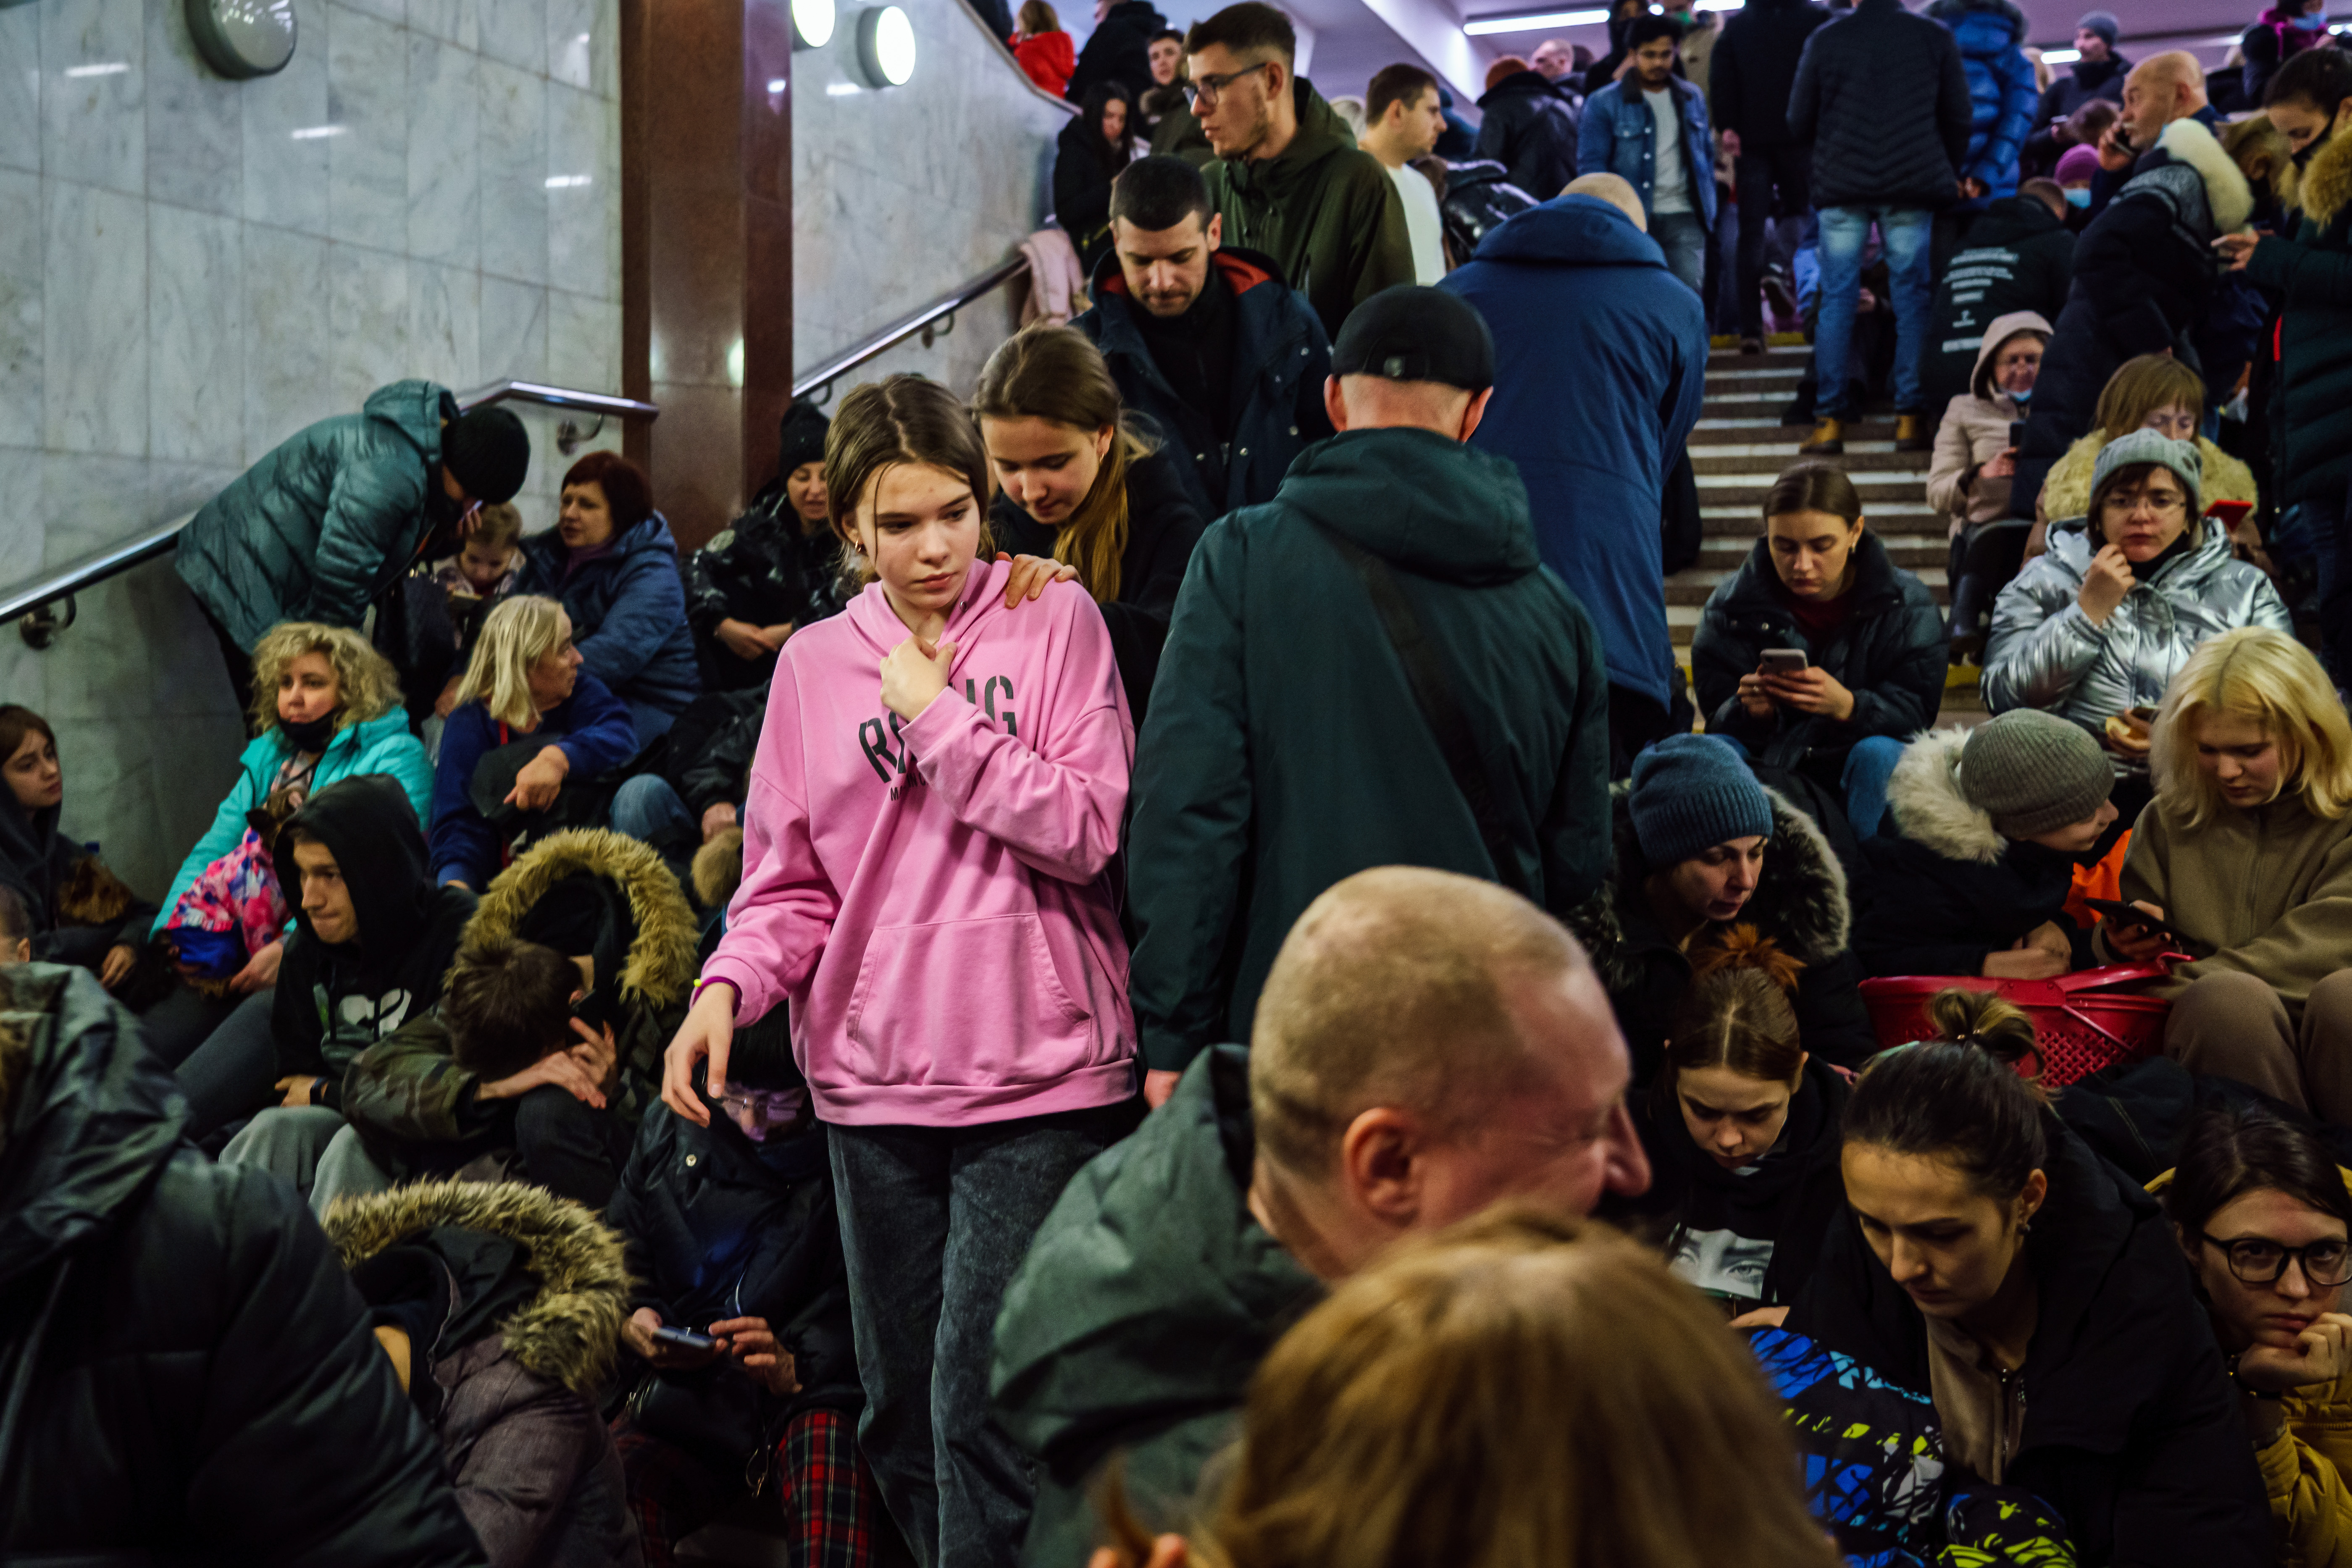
x,y
2126,914
1784,661
684,1339
2230,513
590,1008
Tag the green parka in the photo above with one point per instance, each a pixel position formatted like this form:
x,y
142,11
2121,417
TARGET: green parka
x,y
1323,208
325,522
1283,749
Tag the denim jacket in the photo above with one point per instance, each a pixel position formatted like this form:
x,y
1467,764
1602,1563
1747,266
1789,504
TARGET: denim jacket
x,y
1617,137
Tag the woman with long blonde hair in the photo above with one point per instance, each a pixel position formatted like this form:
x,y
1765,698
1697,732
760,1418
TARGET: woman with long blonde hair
x,y
2245,855
1085,482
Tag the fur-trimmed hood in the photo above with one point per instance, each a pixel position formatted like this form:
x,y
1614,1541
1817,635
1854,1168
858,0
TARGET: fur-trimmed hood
x,y
662,962
2227,196
2327,184
1800,901
568,1331
1930,807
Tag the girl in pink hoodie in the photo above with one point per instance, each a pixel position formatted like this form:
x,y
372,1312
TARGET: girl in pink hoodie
x,y
933,813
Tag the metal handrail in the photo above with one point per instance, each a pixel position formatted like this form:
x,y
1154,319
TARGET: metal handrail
x,y
934,320
29,602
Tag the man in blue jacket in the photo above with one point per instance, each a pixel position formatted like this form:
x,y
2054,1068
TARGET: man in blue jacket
x,y
1649,128
1571,284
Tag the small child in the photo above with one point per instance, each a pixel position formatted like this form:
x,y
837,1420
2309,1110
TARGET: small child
x,y
486,567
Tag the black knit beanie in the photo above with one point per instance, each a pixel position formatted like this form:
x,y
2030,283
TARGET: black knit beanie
x,y
803,438
488,451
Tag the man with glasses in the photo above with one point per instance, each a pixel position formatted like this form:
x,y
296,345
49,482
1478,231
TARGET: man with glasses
x,y
1289,179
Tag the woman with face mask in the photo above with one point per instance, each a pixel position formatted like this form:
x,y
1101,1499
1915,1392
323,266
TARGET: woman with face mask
x,y
2279,36
2260,1207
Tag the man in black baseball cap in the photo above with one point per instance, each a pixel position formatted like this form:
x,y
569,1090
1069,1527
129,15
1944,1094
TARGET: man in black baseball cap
x,y
1350,667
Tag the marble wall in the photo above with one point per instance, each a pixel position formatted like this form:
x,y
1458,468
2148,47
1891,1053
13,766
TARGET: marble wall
x,y
900,195
192,268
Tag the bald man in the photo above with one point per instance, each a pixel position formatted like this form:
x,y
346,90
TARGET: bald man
x,y
1426,1044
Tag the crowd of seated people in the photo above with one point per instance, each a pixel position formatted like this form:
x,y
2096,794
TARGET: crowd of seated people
x,y
1156,963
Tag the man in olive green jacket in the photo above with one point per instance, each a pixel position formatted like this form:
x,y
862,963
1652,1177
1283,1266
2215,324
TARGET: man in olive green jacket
x,y
1289,179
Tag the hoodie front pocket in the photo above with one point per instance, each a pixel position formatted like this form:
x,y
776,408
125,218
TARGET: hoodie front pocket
x,y
964,1001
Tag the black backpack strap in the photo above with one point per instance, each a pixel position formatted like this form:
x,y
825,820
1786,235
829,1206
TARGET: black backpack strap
x,y
1424,671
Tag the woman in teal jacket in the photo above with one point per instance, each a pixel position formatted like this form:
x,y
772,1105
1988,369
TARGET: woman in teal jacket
x,y
328,708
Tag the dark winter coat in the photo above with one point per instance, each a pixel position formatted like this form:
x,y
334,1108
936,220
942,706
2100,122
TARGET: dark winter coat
x,y
1944,891
327,520
2270,43
765,570
1324,210
720,768
1787,1201
1800,904
1279,358
2311,422
1566,286
203,1386
1891,654
1884,98
1119,50
721,1227
1285,749
521,1297
2001,91
2131,1430
627,608
39,862
1529,127
2019,256
2068,91
1146,1303
591,725
1162,527
1084,167
333,1002
1754,68
1479,199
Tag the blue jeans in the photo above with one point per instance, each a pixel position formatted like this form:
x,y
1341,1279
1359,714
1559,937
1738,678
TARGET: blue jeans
x,y
1684,239
934,1220
645,805
1868,768
1845,231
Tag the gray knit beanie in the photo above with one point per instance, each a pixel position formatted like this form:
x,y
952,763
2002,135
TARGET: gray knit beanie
x,y
1692,793
2103,23
2136,447
2033,771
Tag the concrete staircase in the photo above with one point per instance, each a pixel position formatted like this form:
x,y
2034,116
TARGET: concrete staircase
x,y
1739,448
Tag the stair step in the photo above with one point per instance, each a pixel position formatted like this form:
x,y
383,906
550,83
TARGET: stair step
x,y
1788,448
1761,480
1871,466
1798,354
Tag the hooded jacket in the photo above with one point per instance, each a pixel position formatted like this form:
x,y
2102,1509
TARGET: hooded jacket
x,y
1619,136
1883,96
1286,750
1749,1236
628,606
524,1295
1324,210
2018,256
1945,890
2043,651
201,1384
592,728
2001,90
1119,50
2311,425
334,1001
934,897
1975,429
1529,126
327,520
1280,356
1573,283
378,745
1143,1309
39,863
1800,904
1754,68
1891,653
2131,1431
1162,527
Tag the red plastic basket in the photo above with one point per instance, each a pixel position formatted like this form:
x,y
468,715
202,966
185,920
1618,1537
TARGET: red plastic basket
x,y
2081,1021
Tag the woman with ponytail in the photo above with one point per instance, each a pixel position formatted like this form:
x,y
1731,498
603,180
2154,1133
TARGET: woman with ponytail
x,y
1741,1128
1996,1273
1083,482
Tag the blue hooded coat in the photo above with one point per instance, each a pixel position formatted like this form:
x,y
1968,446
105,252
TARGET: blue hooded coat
x,y
628,613
1570,288
2002,95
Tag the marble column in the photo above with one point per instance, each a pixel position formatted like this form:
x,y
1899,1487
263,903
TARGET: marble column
x,y
706,248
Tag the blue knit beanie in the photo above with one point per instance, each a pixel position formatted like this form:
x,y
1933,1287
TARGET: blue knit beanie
x,y
1692,793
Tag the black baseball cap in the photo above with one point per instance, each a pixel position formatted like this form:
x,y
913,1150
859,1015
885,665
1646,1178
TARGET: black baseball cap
x,y
1414,333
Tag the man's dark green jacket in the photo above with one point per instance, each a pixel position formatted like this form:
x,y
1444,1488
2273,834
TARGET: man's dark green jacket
x,y
1283,749
1323,208
1143,1308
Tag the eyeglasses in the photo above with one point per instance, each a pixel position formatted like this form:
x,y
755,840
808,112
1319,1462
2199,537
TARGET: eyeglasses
x,y
2162,503
2256,1261
1207,89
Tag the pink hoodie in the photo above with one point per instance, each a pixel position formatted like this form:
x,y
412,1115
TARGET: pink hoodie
x,y
933,899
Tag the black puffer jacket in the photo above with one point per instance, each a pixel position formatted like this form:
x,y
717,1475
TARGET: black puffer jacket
x,y
1479,199
200,1382
46,869
1801,903
1754,70
2132,1431
1884,98
1530,128
762,569
1890,654
1119,50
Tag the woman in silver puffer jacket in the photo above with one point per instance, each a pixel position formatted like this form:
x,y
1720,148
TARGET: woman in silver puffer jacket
x,y
2100,625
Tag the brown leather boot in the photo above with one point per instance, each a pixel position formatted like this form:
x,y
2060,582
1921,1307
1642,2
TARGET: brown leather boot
x,y
1827,441
1912,435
